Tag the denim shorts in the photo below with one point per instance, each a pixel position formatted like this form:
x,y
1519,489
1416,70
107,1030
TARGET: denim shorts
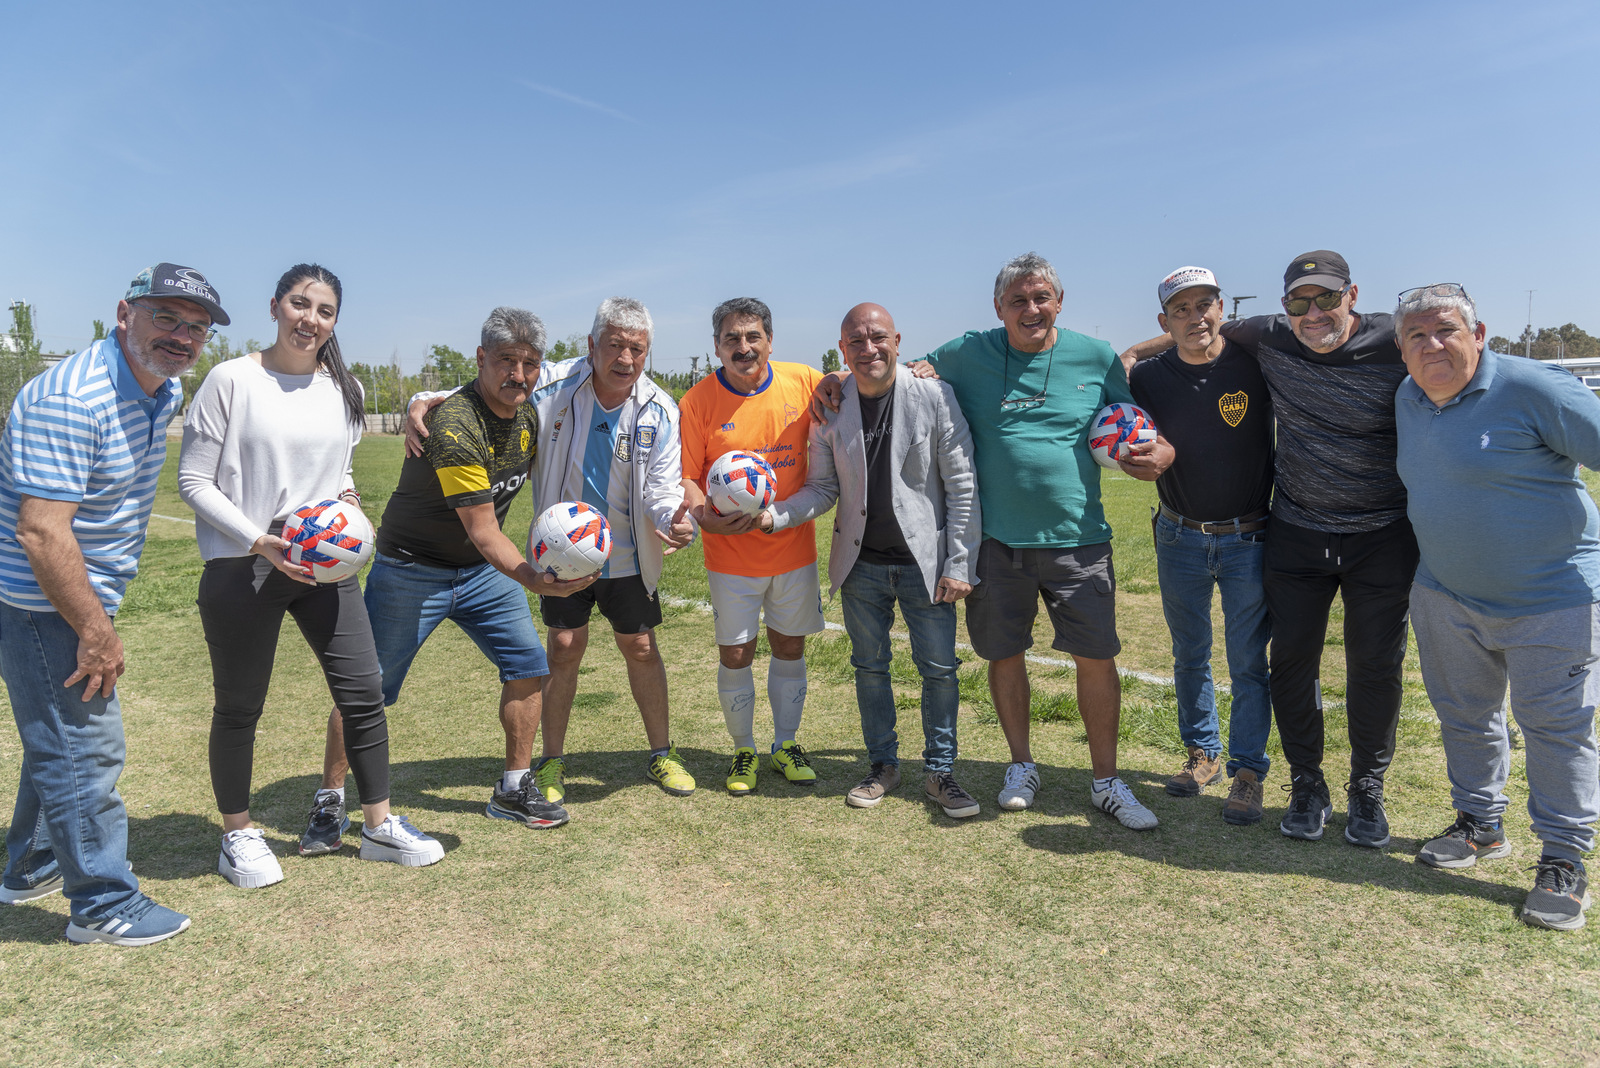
x,y
406,601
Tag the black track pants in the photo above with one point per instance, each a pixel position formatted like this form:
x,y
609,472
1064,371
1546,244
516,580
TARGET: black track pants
x,y
1372,571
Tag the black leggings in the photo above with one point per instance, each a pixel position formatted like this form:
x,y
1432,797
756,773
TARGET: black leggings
x,y
242,602
1372,570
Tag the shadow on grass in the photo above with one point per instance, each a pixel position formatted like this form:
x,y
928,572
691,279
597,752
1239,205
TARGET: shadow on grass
x,y
1193,836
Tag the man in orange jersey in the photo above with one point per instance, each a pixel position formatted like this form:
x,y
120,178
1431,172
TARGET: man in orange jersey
x,y
757,406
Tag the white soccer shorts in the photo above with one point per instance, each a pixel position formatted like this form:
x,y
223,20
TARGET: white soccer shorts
x,y
792,603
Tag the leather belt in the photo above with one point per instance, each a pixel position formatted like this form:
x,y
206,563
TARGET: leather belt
x,y
1242,525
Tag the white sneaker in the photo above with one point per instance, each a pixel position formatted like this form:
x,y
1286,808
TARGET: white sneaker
x,y
1022,782
246,860
1118,801
398,842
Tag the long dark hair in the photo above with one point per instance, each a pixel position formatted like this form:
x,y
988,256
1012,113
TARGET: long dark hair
x,y
328,356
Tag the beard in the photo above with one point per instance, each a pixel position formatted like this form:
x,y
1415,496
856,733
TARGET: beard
x,y
1325,337
160,358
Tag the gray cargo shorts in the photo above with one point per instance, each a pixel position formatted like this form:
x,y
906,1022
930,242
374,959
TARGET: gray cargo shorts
x,y
1079,589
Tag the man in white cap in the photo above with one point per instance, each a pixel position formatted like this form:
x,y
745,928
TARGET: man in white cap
x,y
1210,401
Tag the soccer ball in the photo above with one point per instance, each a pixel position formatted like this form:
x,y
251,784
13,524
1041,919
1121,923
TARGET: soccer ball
x,y
333,538
1114,429
740,483
569,540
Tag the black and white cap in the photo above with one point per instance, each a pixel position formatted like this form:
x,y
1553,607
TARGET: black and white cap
x,y
185,283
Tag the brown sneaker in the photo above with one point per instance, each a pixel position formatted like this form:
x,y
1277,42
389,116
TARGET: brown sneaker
x,y
1243,806
944,791
869,791
1199,771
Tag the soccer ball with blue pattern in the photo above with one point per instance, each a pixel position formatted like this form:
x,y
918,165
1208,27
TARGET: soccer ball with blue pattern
x,y
333,538
740,483
569,540
1115,428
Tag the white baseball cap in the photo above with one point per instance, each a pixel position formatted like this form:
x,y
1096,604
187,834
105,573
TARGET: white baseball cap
x,y
1185,278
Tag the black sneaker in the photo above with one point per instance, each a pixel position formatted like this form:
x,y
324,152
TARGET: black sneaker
x,y
525,804
325,831
1559,896
1309,808
1365,823
1464,843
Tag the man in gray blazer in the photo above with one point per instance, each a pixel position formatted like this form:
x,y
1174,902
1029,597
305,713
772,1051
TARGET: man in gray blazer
x,y
897,457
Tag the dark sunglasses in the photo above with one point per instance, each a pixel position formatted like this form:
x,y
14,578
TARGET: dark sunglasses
x,y
1298,306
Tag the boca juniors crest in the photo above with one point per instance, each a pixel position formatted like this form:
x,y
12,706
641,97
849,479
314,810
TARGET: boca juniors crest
x,y
1233,407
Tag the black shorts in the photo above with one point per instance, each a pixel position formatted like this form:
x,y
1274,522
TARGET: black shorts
x,y
1079,589
625,603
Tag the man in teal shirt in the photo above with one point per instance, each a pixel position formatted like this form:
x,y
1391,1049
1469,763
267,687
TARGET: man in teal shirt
x,y
1029,392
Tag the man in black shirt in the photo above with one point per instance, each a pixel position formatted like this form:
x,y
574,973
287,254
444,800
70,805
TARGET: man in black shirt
x,y
1207,396
1338,527
442,555
897,457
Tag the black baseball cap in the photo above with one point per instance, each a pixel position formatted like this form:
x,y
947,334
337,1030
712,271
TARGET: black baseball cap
x,y
1317,268
185,283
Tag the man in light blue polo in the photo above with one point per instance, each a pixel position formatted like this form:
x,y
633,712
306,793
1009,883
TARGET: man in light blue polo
x,y
79,458
1508,590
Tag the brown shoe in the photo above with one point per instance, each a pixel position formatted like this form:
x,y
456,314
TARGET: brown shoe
x,y
1243,806
944,791
1199,771
869,791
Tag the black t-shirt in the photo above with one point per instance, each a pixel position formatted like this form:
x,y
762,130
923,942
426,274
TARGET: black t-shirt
x,y
1336,438
882,542
1218,417
470,456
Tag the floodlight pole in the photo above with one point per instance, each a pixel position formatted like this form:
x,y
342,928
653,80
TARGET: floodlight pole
x,y
1236,302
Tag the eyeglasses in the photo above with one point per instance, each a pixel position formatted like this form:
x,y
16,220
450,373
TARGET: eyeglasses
x,y
1438,289
166,322
1298,306
1022,404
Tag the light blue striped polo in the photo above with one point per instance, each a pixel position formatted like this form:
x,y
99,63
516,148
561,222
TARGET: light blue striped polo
x,y
85,431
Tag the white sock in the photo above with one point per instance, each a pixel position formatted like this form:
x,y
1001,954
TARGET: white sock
x,y
511,780
786,689
339,791
736,689
1104,784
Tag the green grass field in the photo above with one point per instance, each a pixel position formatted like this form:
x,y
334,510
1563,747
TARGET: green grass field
x,y
785,927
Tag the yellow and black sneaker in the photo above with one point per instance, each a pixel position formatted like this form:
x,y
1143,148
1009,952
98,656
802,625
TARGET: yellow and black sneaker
x,y
550,778
790,759
742,773
669,771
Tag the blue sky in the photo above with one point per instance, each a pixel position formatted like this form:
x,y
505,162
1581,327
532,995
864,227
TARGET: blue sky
x,y
812,155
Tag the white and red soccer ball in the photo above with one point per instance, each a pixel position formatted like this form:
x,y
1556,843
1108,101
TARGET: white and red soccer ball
x,y
333,538
1114,428
740,483
569,540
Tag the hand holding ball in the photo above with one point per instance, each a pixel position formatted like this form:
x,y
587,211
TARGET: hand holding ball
x,y
1115,428
740,483
333,538
569,540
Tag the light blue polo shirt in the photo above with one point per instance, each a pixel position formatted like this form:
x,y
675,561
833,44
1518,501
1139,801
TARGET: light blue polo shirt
x,y
84,431
1505,524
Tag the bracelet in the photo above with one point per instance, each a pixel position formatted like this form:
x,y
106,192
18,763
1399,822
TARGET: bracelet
x,y
352,496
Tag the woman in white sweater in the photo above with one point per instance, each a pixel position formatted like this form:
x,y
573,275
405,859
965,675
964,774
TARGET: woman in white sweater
x,y
265,434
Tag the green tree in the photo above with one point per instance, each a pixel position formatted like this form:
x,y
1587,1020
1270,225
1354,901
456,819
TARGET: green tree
x,y
448,367
830,361
1571,342
572,347
99,329
19,357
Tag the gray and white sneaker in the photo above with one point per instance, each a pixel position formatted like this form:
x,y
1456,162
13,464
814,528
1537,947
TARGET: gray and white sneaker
x,y
1117,800
246,860
1022,782
398,842
325,829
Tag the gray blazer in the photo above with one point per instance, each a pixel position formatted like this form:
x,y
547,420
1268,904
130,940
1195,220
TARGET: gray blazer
x,y
935,487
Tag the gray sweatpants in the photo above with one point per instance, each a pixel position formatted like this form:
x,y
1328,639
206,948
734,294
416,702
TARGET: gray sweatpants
x,y
1549,661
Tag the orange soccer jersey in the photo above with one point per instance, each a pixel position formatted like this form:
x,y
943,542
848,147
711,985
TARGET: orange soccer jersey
x,y
772,422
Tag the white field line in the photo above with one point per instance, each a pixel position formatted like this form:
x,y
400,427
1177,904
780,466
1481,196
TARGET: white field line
x,y
171,518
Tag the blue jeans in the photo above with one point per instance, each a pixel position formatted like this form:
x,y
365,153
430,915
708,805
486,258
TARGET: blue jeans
x,y
1188,565
406,602
69,819
869,594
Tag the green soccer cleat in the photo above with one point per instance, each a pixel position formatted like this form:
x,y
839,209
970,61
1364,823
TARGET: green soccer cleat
x,y
793,762
742,773
549,778
674,778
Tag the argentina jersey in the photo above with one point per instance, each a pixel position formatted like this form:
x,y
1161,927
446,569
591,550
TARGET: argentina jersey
x,y
598,473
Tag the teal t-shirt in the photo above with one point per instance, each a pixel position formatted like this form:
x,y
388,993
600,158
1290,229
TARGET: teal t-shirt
x,y
1037,483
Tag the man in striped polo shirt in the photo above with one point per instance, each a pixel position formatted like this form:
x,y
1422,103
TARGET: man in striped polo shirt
x,y
79,458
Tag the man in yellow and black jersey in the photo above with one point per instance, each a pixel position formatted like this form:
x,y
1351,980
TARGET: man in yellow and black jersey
x,y
442,555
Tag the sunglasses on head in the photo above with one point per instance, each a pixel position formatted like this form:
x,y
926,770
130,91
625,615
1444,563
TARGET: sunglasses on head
x,y
1440,289
1298,306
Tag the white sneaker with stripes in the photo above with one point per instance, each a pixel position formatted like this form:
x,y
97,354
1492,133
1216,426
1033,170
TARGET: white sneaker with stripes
x,y
1022,782
1117,800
